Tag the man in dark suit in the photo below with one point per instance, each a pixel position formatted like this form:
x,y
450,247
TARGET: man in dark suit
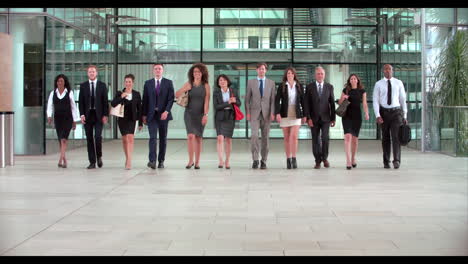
x,y
94,111
158,97
319,104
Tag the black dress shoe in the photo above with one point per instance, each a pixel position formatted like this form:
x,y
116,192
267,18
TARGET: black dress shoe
x,y
152,164
262,165
161,165
189,166
396,164
294,162
255,164
99,162
288,163
91,166
386,165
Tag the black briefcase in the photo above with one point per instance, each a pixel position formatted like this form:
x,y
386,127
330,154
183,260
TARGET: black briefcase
x,y
405,134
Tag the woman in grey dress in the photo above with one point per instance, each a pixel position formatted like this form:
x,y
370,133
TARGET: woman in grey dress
x,y
223,99
196,112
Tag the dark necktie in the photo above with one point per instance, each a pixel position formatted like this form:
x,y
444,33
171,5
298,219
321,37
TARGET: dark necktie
x,y
157,88
389,93
92,95
320,89
261,87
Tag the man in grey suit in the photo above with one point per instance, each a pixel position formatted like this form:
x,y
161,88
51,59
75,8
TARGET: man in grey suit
x,y
259,109
319,107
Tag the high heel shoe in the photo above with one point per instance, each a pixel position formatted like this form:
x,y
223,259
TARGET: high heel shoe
x,y
348,167
294,162
197,167
354,165
288,163
189,166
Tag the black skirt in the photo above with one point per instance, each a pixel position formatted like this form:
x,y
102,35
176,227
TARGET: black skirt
x,y
126,126
63,125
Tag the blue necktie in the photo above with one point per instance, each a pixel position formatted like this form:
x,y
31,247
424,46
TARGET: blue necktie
x,y
261,88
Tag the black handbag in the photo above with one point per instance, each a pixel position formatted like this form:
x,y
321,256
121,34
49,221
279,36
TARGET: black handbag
x,y
404,134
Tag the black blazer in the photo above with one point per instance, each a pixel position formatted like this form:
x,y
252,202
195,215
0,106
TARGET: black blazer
x,y
136,105
323,107
165,98
101,102
219,104
282,101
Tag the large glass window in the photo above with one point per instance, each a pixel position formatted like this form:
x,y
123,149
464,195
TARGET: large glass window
x,y
245,43
159,44
440,15
255,16
334,44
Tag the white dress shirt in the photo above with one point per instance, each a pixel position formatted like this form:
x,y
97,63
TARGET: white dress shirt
x,y
156,83
292,93
50,103
398,96
90,89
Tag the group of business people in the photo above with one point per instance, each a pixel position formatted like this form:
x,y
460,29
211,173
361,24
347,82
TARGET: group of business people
x,y
290,104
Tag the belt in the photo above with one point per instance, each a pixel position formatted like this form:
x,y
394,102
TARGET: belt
x,y
390,109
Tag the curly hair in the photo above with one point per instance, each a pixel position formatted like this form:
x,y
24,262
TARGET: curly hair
x,y
348,83
204,72
65,79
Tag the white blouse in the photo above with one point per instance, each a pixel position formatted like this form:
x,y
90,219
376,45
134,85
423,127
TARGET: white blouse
x,y
50,103
292,93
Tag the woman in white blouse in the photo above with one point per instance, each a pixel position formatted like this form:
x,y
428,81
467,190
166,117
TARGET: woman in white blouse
x,y
289,105
61,105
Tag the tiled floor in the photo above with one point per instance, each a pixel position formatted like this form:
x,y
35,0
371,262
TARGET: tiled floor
x,y
419,209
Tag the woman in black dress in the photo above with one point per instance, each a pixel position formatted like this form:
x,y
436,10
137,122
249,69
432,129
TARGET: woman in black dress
x,y
196,112
61,105
355,93
223,99
131,100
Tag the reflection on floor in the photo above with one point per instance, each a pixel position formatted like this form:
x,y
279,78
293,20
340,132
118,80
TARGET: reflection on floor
x,y
419,209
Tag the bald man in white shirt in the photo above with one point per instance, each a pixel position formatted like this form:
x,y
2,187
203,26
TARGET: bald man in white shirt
x,y
390,111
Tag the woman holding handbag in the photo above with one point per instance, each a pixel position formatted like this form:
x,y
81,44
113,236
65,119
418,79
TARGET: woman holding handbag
x,y
196,111
131,101
289,105
352,120
224,98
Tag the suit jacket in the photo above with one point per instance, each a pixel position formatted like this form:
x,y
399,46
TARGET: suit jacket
x,y
255,104
101,102
282,101
219,104
136,105
322,107
165,99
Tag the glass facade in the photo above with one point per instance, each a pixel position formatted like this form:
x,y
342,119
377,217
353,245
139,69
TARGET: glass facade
x,y
442,131
230,41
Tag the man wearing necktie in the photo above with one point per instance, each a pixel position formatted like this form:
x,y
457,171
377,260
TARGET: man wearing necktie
x,y
158,97
390,111
94,111
319,108
260,108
